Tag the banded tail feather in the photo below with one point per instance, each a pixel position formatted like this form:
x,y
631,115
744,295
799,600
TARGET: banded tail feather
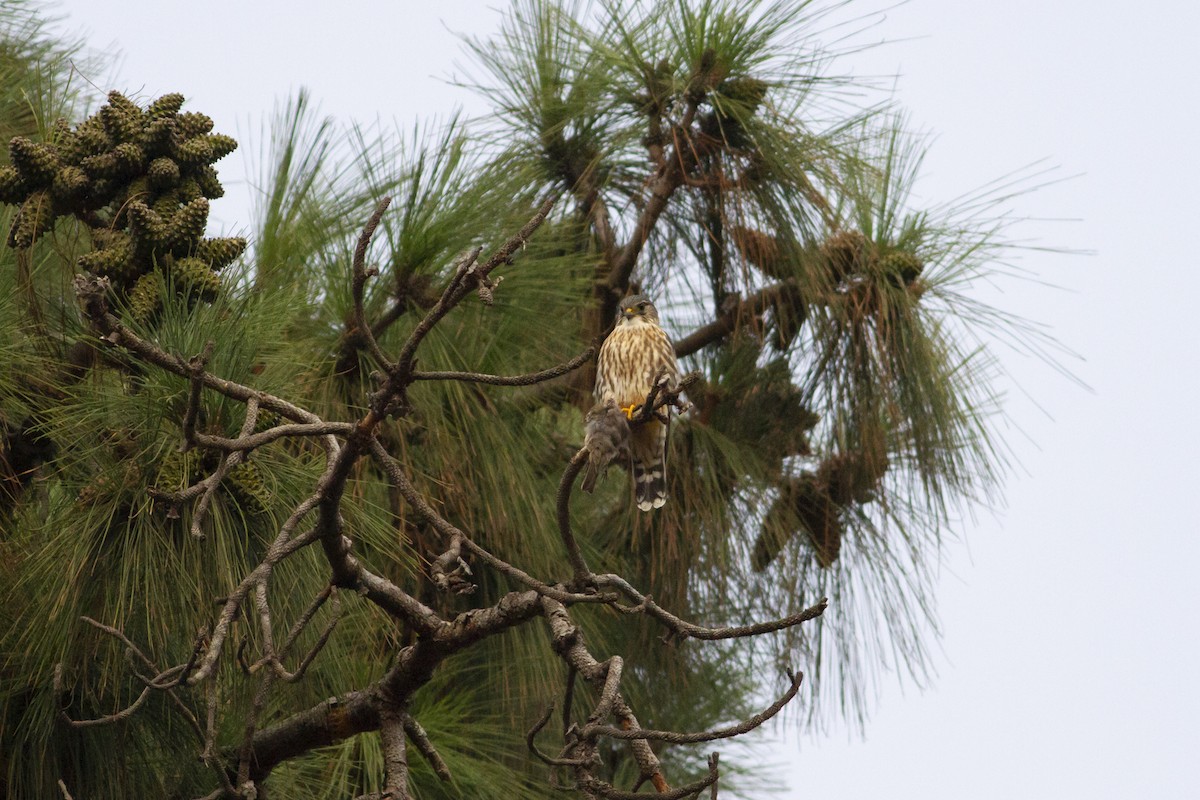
x,y
650,484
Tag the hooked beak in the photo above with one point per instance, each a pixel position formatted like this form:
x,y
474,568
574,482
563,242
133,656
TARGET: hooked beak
x,y
629,313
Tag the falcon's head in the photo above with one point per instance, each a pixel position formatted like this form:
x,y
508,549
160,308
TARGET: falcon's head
x,y
636,310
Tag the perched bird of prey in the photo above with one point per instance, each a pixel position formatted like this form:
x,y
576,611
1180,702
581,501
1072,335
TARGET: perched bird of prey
x,y
634,356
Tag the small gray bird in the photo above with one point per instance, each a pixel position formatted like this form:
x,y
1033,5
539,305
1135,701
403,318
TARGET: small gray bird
x,y
606,436
635,355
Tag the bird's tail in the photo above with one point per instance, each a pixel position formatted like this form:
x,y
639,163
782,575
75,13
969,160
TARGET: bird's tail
x,y
650,483
590,474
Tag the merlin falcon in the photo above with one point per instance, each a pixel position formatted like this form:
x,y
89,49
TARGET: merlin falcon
x,y
634,355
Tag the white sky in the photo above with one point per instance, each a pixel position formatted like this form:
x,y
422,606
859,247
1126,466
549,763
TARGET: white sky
x,y
1069,616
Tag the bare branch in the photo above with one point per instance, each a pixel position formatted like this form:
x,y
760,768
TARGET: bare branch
x,y
395,755
358,711
282,547
123,714
466,277
674,737
669,178
685,628
276,663
420,738
459,539
256,440
513,380
737,311
564,514
568,698
608,694
542,588
306,618
531,736
360,275
609,791
210,484
567,640
197,365
92,292
166,680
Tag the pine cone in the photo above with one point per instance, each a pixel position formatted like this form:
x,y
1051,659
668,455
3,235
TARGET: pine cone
x,y
188,223
130,158
70,185
166,106
158,136
35,218
114,261
206,179
903,268
221,252
247,486
163,173
193,152
122,119
145,224
195,278
193,124
221,145
90,140
144,298
846,252
37,162
761,250
13,188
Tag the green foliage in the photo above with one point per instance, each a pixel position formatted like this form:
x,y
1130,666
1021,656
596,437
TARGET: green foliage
x,y
839,425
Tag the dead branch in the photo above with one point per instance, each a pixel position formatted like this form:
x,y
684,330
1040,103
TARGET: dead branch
x,y
531,736
737,312
467,277
163,680
93,296
359,281
510,380
459,540
673,737
607,790
197,365
662,186
358,711
395,755
420,739
257,440
567,641
123,714
684,628
563,503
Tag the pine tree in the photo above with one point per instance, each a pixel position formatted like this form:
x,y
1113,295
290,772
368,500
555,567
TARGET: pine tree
x,y
168,400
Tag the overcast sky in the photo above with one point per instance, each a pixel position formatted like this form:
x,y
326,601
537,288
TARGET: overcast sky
x,y
1068,666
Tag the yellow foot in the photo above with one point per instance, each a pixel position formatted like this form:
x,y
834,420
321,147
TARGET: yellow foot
x,y
628,410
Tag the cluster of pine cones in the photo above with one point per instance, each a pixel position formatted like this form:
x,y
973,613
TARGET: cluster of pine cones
x,y
141,181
